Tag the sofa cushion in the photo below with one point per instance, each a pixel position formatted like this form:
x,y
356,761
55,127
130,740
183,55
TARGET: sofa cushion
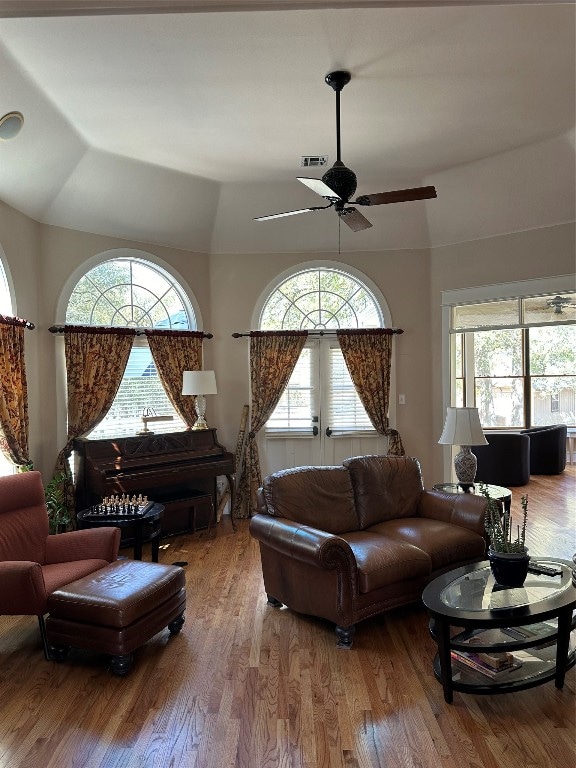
x,y
445,543
320,497
385,487
384,561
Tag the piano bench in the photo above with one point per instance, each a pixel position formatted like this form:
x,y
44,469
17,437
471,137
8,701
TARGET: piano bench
x,y
116,610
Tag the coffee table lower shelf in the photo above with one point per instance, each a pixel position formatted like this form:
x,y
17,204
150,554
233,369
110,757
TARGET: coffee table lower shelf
x,y
538,666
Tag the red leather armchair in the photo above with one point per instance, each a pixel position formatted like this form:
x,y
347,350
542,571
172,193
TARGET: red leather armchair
x,y
33,563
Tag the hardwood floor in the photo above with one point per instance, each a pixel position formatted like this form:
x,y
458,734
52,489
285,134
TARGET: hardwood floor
x,y
250,686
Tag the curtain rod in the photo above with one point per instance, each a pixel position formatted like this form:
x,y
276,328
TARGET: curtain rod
x,y
8,320
135,331
358,331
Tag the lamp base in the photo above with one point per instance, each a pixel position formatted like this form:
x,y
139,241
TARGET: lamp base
x,y
200,408
465,464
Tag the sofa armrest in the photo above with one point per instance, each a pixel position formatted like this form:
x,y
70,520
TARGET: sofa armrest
x,y
302,542
85,544
464,509
22,590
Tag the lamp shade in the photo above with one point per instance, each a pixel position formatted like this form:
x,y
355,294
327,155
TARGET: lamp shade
x,y
462,427
199,383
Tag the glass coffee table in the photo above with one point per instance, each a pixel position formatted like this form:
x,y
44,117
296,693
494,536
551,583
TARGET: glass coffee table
x,y
495,639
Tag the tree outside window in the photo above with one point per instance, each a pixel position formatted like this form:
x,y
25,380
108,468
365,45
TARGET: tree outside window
x,y
524,377
320,299
132,293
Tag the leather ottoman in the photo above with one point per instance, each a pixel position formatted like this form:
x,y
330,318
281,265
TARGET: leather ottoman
x,y
116,609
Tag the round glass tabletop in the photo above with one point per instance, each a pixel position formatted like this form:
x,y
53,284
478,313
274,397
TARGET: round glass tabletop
x,y
478,591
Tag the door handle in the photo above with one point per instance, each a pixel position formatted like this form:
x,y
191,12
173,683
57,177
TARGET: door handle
x,y
315,431
328,432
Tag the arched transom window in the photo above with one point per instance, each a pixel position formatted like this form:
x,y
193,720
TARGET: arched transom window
x,y
320,299
320,395
5,300
129,292
6,466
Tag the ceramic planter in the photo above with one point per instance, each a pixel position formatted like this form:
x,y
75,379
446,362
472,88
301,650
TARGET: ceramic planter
x,y
509,568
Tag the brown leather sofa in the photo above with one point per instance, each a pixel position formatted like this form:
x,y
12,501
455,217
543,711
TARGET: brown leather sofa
x,y
348,542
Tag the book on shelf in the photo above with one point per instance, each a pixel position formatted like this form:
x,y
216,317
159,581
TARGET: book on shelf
x,y
496,660
529,631
479,664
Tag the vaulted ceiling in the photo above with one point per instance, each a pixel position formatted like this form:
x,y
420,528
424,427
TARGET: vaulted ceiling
x,y
178,128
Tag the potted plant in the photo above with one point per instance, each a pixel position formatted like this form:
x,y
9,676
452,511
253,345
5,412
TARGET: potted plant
x,y
508,556
58,515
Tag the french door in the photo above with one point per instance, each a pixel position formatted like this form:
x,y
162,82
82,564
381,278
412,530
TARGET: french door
x,y
319,419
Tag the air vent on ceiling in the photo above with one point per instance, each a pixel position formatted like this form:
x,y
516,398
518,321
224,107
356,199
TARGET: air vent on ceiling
x,y
313,161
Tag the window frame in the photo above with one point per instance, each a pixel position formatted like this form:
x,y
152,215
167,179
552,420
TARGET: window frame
x,y
6,308
183,292
467,339
328,337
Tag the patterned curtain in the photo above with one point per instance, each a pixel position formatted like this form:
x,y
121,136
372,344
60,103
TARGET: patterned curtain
x,y
368,356
95,363
13,392
173,353
273,355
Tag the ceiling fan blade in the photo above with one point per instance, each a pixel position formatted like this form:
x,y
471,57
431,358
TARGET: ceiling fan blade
x,y
318,186
397,196
291,213
354,219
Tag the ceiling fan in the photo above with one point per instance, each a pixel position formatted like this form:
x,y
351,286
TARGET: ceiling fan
x,y
338,184
559,302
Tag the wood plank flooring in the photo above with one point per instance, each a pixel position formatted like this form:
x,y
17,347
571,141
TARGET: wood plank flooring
x,y
245,685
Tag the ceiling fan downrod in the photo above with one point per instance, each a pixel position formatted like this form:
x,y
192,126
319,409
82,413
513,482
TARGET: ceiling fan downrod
x,y
337,80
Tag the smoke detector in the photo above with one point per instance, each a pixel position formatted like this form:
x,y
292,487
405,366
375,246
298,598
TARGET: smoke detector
x,y
10,125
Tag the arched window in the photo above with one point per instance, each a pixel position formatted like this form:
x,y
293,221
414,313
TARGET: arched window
x,y
5,298
131,292
320,298
320,393
6,308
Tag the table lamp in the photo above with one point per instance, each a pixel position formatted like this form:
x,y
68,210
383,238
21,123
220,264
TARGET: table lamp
x,y
199,383
462,427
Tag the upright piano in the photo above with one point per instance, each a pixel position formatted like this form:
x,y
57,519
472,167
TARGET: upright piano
x,y
178,470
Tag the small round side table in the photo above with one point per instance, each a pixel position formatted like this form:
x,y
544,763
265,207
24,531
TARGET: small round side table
x,y
497,492
146,528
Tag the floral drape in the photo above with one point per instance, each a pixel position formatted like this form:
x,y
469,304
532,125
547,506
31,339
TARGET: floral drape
x,y
13,392
368,356
273,355
173,353
95,362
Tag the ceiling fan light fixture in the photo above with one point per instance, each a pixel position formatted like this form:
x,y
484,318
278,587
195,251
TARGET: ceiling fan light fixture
x,y
559,302
341,179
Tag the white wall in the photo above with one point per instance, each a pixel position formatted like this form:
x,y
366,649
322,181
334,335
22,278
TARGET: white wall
x,y
227,287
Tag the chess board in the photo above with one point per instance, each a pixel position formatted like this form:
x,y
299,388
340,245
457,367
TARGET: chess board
x,y
119,508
